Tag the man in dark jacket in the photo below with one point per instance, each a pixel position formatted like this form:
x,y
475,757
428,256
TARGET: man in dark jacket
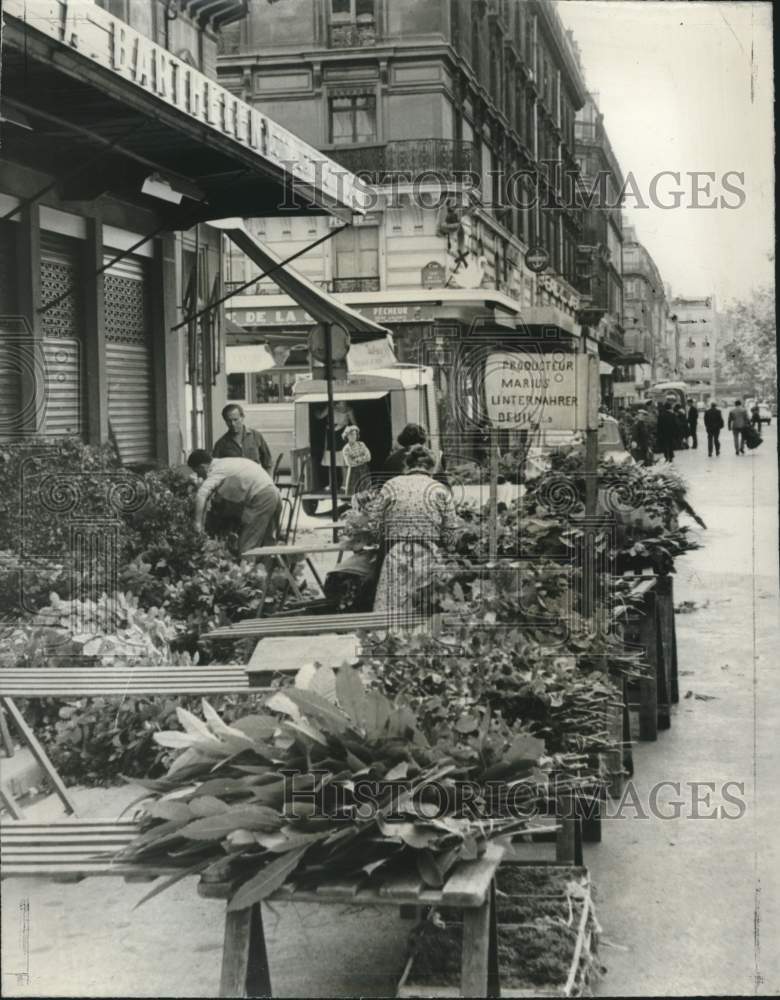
x,y
739,421
681,437
693,420
640,439
666,431
713,423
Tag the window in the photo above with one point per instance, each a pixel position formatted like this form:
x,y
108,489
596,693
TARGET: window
x,y
353,119
352,10
705,363
236,386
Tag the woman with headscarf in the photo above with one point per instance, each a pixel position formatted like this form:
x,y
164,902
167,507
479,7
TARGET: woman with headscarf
x,y
417,516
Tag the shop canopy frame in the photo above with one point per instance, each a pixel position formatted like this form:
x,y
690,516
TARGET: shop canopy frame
x,y
121,135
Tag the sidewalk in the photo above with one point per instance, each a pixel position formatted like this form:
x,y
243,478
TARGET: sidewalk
x,y
683,896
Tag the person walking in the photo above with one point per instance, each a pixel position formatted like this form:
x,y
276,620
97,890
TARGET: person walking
x,y
713,424
666,431
640,439
241,441
693,420
681,422
245,484
739,421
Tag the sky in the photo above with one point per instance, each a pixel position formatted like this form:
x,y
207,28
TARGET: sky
x,y
687,87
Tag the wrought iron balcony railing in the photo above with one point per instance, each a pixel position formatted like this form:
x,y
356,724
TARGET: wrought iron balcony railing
x,y
352,36
409,159
354,285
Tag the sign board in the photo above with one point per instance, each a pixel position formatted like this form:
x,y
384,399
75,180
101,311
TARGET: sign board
x,y
526,390
339,343
537,259
97,35
371,354
433,275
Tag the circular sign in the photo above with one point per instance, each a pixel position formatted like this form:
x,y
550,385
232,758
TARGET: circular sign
x,y
339,341
537,259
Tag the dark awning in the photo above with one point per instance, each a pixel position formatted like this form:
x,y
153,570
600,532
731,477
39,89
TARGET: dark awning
x,y
135,113
321,306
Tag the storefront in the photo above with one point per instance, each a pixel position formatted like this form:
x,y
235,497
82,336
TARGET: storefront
x,y
117,157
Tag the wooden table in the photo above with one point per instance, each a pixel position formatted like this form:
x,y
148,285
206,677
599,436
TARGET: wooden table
x,y
280,554
342,622
470,887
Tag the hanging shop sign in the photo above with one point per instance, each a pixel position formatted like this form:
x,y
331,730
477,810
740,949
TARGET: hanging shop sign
x,y
526,390
103,38
557,292
371,354
433,275
537,259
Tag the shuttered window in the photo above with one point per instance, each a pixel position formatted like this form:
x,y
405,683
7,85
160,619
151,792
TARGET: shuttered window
x,y
129,360
62,278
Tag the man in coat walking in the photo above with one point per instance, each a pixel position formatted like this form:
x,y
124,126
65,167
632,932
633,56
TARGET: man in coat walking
x,y
666,431
739,421
693,420
713,423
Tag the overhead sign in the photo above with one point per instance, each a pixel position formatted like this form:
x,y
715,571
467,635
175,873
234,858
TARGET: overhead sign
x,y
371,354
270,317
526,390
98,35
537,259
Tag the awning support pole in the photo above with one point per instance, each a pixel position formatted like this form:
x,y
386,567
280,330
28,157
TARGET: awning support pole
x,y
334,487
259,277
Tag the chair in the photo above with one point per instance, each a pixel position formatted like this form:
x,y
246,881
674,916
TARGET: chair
x,y
291,509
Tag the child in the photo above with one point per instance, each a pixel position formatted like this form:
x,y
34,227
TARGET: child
x,y
356,458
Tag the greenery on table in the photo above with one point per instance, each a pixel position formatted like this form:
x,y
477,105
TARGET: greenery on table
x,y
229,809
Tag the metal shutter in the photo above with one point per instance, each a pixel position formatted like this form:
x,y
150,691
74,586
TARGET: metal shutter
x,y
62,271
129,360
10,384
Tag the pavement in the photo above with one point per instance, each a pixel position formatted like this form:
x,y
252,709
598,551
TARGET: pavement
x,y
688,905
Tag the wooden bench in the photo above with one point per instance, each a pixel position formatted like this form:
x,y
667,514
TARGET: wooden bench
x,y
71,850
379,621
105,682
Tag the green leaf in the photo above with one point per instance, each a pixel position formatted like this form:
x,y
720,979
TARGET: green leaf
x,y
314,706
351,694
466,724
170,810
237,818
207,805
267,881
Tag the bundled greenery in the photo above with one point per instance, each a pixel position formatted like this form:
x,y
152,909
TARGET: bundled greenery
x,y
268,798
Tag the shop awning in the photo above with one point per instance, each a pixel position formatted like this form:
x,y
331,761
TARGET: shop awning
x,y
605,368
339,397
144,125
247,358
321,306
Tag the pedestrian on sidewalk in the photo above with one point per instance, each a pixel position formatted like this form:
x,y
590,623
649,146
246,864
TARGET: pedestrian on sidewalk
x,y
739,421
681,420
666,431
713,424
244,484
640,440
693,420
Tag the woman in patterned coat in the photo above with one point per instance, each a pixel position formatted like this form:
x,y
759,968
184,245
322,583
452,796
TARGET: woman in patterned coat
x,y
417,515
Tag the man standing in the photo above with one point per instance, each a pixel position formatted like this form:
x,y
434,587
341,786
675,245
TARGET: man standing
x,y
739,421
243,483
640,439
666,431
241,441
713,423
693,420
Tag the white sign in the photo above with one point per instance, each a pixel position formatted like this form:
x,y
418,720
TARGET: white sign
x,y
371,354
91,31
525,390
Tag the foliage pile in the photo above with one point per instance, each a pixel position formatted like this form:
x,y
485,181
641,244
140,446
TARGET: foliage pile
x,y
269,798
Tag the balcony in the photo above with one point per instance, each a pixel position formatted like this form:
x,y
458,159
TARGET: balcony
x,y
352,35
363,284
408,159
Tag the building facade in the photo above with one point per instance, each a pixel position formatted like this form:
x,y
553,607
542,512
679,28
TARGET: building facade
x,y
698,322
110,273
645,313
460,117
600,255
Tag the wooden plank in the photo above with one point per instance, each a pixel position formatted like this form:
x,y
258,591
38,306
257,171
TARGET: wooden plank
x,y
406,887
470,881
474,960
245,971
9,802
40,755
339,889
299,549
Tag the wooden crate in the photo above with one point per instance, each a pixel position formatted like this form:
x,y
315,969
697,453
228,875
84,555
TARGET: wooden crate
x,y
583,952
